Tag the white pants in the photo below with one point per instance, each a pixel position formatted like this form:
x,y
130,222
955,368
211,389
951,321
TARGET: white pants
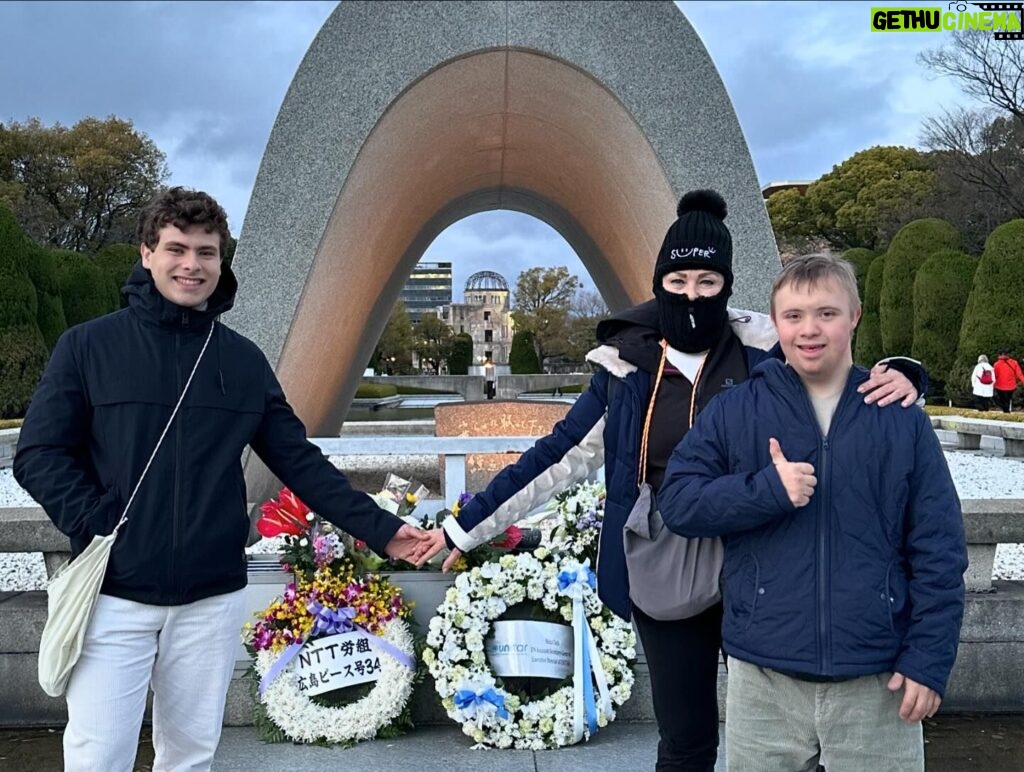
x,y
186,653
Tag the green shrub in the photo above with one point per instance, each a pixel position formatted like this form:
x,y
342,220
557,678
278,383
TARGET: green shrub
x,y
941,289
462,354
522,359
23,352
868,346
23,356
87,293
990,415
994,317
412,390
861,259
116,261
375,391
910,247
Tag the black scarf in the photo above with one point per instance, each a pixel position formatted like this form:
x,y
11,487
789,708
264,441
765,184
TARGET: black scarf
x,y
692,325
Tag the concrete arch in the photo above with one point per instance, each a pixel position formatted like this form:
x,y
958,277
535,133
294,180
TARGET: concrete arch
x,y
406,116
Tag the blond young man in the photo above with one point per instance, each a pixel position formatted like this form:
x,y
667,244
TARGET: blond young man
x,y
844,546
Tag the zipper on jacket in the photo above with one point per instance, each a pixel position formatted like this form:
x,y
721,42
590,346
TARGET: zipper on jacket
x,y
825,658
177,460
823,495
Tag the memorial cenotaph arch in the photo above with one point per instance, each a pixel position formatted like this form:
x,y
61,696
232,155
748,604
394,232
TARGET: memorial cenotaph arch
x,y
405,117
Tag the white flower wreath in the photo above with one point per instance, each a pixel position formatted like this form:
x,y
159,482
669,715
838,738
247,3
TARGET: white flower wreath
x,y
468,688
303,720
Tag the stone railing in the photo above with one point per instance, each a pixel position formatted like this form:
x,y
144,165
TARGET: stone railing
x,y
969,432
986,677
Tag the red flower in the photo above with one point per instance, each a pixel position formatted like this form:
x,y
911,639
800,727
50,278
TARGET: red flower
x,y
512,537
287,516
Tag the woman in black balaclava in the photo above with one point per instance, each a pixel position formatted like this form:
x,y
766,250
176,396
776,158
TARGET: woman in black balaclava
x,y
688,333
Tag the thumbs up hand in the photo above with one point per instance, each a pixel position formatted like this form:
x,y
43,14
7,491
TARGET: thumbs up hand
x,y
797,477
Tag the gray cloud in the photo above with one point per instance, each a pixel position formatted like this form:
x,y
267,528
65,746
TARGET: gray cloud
x,y
811,85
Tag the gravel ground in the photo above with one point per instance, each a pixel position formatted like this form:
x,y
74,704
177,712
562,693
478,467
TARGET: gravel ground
x,y
977,475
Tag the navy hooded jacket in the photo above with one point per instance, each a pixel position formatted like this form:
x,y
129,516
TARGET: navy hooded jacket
x,y
100,407
867,577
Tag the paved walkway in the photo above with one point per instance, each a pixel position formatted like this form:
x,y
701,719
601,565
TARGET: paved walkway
x,y
991,743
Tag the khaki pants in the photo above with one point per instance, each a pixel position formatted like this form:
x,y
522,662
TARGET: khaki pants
x,y
776,723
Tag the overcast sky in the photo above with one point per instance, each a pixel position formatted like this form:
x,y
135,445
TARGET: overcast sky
x,y
811,86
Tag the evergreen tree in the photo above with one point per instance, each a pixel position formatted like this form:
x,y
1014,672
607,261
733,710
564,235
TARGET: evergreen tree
x,y
116,262
42,272
994,317
911,246
86,291
941,289
23,351
869,333
461,356
522,359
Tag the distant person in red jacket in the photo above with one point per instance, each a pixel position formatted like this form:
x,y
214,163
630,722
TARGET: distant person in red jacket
x,y
1007,375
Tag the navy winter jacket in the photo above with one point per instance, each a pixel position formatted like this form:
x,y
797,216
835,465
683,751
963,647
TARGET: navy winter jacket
x,y
867,577
104,399
592,433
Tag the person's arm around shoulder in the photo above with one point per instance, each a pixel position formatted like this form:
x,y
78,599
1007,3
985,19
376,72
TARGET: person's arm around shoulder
x,y
49,462
702,497
572,451
896,379
936,552
281,442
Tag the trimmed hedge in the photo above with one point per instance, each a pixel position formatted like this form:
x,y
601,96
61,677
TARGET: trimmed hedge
x,y
411,390
994,317
85,289
941,289
989,415
375,391
910,248
116,262
23,352
861,259
461,356
868,344
522,358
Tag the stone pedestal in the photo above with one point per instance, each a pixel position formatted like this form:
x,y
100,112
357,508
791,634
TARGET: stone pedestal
x,y
494,418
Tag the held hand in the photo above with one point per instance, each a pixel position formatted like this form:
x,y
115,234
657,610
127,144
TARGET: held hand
x,y
886,386
919,702
409,544
437,542
797,477
451,559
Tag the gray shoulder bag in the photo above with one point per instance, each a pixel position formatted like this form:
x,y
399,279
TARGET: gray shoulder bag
x,y
670,576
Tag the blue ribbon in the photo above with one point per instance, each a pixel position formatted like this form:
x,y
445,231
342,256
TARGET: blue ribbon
x,y
567,579
466,699
278,667
571,584
589,702
327,621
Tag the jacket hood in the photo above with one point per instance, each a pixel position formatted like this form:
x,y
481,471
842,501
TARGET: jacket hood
x,y
145,300
631,339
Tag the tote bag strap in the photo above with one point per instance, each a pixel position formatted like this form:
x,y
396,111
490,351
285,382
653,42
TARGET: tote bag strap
x,y
642,474
159,442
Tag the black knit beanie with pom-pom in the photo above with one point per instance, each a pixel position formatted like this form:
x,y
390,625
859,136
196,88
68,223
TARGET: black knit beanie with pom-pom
x,y
698,239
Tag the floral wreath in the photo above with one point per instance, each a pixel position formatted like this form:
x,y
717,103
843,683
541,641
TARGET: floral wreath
x,y
494,714
578,513
329,597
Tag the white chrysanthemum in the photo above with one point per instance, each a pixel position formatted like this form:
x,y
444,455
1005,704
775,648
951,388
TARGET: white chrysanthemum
x,y
303,720
464,622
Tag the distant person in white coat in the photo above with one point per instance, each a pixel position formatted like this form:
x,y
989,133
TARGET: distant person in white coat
x,y
983,381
